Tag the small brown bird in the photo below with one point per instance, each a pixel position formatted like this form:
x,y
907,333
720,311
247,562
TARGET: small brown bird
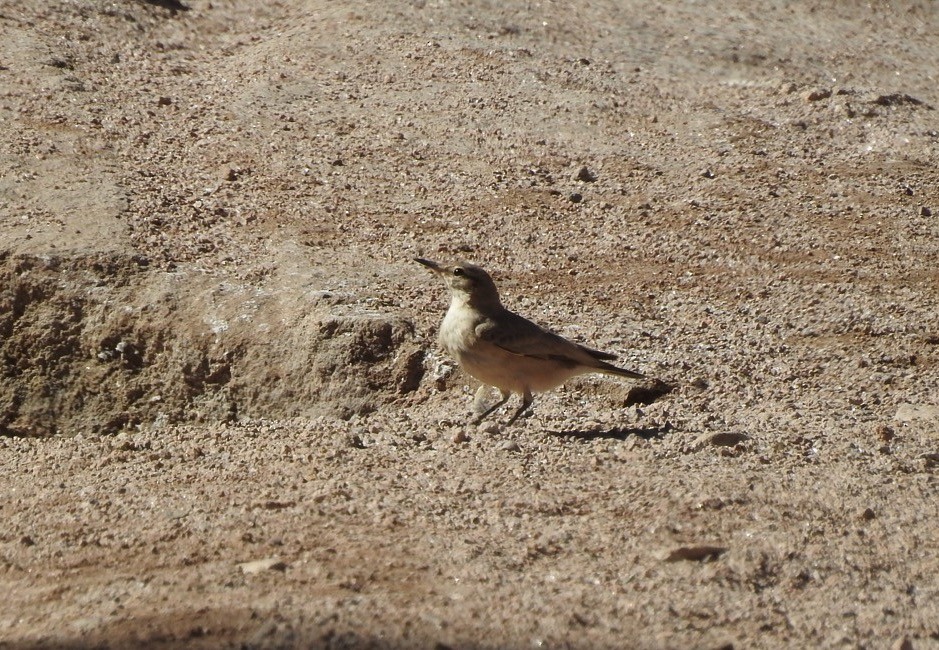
x,y
502,349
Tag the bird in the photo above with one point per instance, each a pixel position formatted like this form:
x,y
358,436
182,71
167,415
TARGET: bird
x,y
502,349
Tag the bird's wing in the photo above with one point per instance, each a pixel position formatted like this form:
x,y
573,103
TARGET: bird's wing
x,y
520,336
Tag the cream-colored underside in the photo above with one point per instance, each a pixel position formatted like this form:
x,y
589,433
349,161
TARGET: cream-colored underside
x,y
511,372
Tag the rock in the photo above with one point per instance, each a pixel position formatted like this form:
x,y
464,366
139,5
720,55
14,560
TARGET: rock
x,y
172,5
278,505
910,412
868,514
460,437
576,197
355,441
585,175
510,445
925,212
723,439
259,566
714,503
818,94
699,383
703,553
896,99
885,433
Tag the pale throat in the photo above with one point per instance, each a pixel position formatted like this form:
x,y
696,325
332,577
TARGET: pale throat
x,y
465,299
459,300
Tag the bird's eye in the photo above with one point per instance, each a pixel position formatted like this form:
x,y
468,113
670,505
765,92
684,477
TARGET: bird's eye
x,y
458,271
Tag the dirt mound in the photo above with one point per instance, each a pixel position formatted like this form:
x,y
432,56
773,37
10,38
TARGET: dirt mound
x,y
102,342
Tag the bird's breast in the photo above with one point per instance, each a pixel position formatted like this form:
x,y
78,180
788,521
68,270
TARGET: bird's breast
x,y
458,331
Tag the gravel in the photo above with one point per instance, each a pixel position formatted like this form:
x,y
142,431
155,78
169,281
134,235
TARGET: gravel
x,y
218,354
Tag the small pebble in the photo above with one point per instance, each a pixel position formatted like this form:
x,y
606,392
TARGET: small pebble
x,y
702,553
586,176
259,566
885,433
723,439
354,440
816,95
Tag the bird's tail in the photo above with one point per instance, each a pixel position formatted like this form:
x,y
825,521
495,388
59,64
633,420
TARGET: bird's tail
x,y
610,369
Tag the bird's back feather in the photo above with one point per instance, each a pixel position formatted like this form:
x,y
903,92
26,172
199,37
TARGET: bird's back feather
x,y
520,336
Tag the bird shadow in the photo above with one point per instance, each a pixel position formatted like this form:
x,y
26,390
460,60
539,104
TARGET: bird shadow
x,y
616,433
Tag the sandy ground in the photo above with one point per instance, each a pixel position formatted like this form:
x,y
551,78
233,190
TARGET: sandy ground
x,y
224,419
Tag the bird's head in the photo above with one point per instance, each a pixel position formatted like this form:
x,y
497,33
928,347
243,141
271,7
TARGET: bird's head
x,y
467,282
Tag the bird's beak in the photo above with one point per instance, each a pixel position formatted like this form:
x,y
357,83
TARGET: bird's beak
x,y
433,266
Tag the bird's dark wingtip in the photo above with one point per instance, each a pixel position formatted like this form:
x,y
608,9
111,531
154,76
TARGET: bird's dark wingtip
x,y
597,354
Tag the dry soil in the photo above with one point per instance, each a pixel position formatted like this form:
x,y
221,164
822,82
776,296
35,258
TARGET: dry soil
x,y
224,419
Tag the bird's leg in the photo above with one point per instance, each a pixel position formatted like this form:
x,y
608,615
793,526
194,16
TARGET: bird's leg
x,y
527,399
505,398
